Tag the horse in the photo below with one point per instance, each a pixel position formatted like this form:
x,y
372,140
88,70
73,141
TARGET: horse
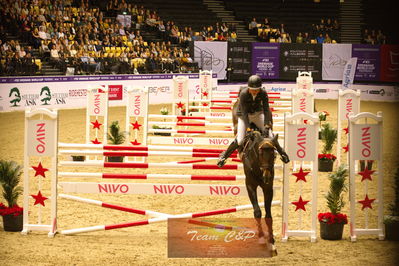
x,y
257,153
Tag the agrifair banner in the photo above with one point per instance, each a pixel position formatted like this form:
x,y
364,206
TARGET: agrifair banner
x,y
335,57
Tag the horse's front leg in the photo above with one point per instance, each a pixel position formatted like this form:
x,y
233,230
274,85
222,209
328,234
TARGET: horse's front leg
x,y
268,196
257,211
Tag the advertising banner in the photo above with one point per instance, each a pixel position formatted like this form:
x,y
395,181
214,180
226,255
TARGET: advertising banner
x,y
335,56
389,63
239,59
368,62
17,93
296,57
266,60
211,56
349,73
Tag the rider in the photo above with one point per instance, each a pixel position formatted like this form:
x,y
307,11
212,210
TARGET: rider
x,y
253,107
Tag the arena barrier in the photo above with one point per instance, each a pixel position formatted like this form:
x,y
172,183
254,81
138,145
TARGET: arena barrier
x,y
365,143
302,146
46,129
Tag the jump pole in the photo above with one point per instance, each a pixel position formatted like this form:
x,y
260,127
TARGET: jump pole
x,y
41,137
157,220
302,146
365,143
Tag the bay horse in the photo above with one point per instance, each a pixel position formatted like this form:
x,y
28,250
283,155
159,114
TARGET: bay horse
x,y
257,154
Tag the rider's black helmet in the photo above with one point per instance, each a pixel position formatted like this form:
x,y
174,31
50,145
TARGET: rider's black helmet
x,y
254,82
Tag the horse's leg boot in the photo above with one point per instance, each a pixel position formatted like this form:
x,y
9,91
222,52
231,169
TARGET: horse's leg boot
x,y
269,224
283,154
226,154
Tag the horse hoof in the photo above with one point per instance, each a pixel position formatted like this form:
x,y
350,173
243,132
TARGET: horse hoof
x,y
261,241
274,250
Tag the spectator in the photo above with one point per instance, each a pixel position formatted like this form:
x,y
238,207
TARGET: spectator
x,y
253,27
299,38
320,38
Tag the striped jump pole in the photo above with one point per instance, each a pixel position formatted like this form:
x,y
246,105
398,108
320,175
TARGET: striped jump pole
x,y
141,154
139,148
158,219
181,131
192,124
151,176
152,165
112,206
182,117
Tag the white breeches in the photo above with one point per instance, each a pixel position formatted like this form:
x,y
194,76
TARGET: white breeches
x,y
257,118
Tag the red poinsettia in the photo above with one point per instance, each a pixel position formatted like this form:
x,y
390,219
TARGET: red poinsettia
x,y
330,218
327,156
14,210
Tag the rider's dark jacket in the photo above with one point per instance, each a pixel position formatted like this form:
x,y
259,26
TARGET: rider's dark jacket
x,y
248,105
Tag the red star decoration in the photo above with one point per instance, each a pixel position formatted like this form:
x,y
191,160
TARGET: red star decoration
x,y
179,119
39,199
136,125
204,104
346,148
40,170
96,124
180,105
95,141
366,202
305,121
366,174
346,130
135,142
301,175
300,204
205,94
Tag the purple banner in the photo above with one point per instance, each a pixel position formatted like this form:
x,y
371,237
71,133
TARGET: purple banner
x,y
266,60
368,61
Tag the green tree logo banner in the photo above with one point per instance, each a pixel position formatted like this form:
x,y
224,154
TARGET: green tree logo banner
x,y
46,93
15,96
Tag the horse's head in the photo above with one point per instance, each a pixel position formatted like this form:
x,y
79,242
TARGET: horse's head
x,y
267,156
259,153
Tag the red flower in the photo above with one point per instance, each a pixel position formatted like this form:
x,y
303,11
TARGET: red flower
x,y
14,210
330,218
327,156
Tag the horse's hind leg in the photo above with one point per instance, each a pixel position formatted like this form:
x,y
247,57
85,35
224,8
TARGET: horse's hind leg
x,y
257,212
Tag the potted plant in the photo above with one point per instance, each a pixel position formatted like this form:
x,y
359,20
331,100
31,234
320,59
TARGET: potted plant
x,y
10,174
164,111
392,221
326,158
322,118
116,137
332,222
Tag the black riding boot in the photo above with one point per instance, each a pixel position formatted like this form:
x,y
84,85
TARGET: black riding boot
x,y
283,154
226,154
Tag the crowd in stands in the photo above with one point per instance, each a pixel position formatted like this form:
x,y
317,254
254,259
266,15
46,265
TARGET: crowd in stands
x,y
93,36
372,36
79,36
327,31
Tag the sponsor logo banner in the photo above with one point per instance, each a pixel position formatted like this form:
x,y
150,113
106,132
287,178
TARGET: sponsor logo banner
x,y
266,60
296,57
335,57
368,61
216,238
389,63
